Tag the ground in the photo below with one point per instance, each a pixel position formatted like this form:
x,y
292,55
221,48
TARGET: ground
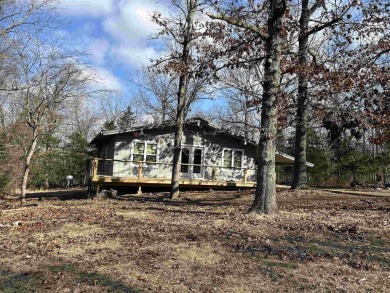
x,y
320,241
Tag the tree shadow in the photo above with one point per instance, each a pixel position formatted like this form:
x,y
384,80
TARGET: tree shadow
x,y
29,282
106,281
184,201
359,253
71,194
18,282
179,211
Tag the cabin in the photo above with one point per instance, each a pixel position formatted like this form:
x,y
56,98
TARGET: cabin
x,y
210,157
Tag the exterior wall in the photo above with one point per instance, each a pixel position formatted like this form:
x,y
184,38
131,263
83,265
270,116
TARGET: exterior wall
x,y
106,151
122,151
212,146
124,146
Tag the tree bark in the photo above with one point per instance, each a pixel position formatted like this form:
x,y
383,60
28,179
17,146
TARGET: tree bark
x,y
163,111
175,184
246,121
182,101
27,165
2,117
300,172
265,197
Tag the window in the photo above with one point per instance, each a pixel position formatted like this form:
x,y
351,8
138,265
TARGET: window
x,y
232,158
145,151
185,160
197,160
103,154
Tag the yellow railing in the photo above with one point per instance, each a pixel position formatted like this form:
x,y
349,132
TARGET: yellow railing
x,y
105,167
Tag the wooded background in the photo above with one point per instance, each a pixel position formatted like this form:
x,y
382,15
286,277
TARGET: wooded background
x,y
309,76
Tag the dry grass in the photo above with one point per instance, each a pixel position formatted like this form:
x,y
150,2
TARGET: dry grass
x,y
204,242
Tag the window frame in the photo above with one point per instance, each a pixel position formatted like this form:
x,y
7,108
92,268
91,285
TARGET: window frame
x,y
233,150
145,142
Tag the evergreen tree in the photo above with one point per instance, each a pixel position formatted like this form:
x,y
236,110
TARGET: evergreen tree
x,y
126,119
109,125
4,175
76,155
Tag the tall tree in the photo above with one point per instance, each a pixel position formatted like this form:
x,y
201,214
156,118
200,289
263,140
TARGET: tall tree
x,y
315,17
181,95
265,197
77,155
182,32
253,33
48,77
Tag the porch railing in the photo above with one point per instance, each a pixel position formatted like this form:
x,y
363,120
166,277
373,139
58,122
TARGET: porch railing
x,y
163,170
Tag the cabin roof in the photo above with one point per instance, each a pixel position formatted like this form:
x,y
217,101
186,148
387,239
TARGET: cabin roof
x,y
194,122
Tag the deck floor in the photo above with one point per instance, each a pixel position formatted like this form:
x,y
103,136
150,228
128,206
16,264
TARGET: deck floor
x,y
165,182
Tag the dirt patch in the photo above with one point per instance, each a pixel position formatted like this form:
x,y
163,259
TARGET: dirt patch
x,y
320,241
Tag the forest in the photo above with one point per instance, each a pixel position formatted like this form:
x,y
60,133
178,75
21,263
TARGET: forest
x,y
308,78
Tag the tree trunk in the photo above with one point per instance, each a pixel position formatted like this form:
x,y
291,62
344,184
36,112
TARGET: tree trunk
x,y
47,185
265,197
182,101
300,172
27,164
163,111
246,121
2,118
175,185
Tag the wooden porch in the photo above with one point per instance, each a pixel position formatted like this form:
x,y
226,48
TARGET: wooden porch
x,y
109,172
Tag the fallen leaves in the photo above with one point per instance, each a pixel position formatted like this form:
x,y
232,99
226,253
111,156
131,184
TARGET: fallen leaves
x,y
204,243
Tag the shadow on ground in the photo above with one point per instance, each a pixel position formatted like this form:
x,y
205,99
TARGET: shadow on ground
x,y
71,194
31,281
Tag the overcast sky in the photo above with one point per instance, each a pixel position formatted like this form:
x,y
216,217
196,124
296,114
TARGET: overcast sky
x,y
115,33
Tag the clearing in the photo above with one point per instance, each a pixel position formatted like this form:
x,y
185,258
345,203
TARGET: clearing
x,y
320,241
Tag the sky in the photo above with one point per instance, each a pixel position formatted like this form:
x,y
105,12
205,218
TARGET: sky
x,y
115,34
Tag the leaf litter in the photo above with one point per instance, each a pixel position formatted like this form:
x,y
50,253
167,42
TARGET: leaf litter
x,y
207,242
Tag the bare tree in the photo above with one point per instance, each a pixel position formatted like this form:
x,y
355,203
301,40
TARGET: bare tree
x,y
241,89
156,95
20,19
16,16
47,78
78,115
183,32
109,105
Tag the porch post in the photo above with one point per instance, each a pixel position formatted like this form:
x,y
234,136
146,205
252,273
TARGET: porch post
x,y
213,172
139,170
94,167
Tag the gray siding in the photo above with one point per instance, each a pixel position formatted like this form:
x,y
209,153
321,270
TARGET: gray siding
x,y
214,146
121,148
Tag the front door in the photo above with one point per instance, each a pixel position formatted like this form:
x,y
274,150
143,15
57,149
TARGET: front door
x,y
191,162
